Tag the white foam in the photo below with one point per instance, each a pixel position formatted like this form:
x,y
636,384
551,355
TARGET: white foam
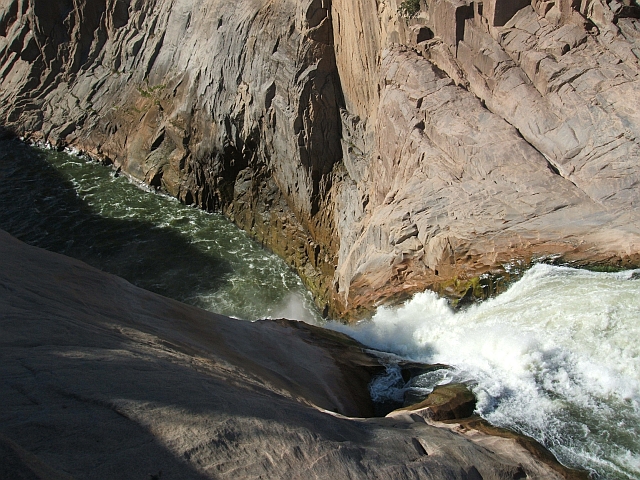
x,y
295,308
553,356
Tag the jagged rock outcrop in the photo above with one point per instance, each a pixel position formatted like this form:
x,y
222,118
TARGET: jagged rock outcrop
x,y
490,139
378,155
101,379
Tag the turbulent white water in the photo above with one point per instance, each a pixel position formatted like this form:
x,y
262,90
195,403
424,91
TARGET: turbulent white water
x,y
556,357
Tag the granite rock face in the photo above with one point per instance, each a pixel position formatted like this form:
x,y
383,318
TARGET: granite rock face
x,y
101,379
226,105
490,140
379,156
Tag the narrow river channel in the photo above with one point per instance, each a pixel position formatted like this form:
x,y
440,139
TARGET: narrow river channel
x,y
74,206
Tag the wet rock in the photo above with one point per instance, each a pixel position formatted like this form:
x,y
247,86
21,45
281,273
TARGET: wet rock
x,y
411,370
447,402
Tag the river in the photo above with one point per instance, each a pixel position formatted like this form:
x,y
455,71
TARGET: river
x,y
74,206
556,357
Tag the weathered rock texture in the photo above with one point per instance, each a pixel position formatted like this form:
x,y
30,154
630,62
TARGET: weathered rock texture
x,y
379,156
101,379
447,402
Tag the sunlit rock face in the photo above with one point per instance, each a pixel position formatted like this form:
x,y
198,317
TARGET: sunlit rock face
x,y
378,155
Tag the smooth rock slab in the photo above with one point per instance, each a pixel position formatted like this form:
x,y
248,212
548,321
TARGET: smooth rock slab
x,y
101,379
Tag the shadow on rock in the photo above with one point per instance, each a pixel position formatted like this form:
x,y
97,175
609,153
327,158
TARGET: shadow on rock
x,y
41,208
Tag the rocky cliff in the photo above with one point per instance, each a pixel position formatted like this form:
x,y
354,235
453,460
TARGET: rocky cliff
x,y
379,155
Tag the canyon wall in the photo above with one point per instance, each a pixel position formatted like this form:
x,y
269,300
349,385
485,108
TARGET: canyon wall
x,y
378,155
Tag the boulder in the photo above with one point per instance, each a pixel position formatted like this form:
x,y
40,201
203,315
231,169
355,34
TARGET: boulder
x,y
447,402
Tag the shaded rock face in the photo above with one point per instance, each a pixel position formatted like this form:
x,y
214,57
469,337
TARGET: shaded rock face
x,y
226,105
378,156
102,379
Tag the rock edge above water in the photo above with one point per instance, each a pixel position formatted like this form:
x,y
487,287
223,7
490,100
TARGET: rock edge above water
x,y
104,380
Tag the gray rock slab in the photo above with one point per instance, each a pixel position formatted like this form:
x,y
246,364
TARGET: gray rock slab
x,y
100,379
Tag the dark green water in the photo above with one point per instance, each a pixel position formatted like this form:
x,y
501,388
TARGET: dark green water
x,y
72,205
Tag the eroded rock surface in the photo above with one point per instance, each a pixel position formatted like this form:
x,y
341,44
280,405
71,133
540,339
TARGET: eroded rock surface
x,y
499,139
378,155
447,402
101,379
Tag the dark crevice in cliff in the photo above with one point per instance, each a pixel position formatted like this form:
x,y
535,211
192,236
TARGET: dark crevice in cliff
x,y
8,16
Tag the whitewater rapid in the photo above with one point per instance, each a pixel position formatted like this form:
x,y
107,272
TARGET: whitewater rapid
x,y
556,357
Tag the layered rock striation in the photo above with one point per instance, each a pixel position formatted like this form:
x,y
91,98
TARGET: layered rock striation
x,y
378,155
